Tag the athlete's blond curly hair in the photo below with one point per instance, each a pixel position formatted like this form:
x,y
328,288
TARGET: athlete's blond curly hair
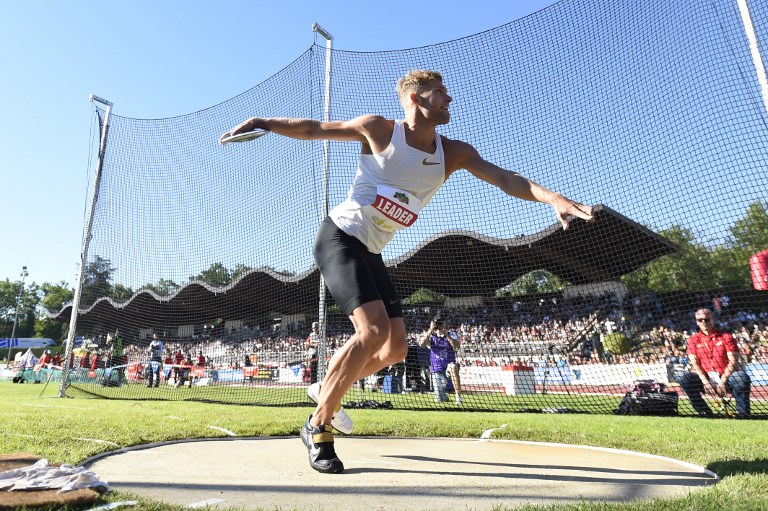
x,y
414,81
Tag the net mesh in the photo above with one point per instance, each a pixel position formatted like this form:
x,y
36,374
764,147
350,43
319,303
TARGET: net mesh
x,y
652,109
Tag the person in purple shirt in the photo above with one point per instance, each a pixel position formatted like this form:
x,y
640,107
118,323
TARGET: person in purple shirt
x,y
442,359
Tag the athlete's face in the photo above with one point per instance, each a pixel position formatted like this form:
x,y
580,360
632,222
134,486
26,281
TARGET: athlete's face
x,y
434,101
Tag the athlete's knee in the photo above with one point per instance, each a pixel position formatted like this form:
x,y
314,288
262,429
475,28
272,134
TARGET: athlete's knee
x,y
393,349
399,350
374,333
397,344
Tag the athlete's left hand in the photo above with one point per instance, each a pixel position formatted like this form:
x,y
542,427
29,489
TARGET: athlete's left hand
x,y
566,209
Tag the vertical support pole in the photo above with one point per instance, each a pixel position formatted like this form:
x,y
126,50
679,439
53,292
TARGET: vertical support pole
x,y
322,347
84,252
24,274
754,50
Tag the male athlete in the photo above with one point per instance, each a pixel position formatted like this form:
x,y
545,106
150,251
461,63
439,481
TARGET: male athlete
x,y
402,164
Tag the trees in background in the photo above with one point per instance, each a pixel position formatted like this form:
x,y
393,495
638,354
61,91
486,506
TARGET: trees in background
x,y
32,320
97,281
535,282
53,297
697,266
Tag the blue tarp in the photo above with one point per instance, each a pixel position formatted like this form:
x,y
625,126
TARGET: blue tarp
x,y
26,342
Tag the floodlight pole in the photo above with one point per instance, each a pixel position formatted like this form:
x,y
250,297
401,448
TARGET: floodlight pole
x,y
754,50
24,273
65,370
322,307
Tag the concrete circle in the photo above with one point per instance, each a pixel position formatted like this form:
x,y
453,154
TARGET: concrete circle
x,y
392,473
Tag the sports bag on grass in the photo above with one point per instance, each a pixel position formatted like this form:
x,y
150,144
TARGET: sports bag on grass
x,y
648,397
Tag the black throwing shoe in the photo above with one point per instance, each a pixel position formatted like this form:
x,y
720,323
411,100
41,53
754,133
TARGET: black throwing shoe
x,y
319,443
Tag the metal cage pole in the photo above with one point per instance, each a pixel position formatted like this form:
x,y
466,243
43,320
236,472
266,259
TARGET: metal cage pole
x,y
24,274
322,307
754,50
86,242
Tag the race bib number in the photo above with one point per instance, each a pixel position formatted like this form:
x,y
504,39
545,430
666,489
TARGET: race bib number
x,y
393,209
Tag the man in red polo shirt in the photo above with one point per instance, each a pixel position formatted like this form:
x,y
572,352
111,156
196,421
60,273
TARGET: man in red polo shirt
x,y
715,367
45,359
178,361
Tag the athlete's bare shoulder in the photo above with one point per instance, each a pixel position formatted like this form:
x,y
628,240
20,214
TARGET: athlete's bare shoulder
x,y
457,153
373,120
378,132
375,124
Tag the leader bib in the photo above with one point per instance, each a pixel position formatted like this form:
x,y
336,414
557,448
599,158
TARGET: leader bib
x,y
393,209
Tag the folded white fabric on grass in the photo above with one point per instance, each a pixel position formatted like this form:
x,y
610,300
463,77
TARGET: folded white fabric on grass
x,y
42,476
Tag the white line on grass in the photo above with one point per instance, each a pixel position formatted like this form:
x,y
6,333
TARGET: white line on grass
x,y
228,432
115,505
96,440
203,503
488,432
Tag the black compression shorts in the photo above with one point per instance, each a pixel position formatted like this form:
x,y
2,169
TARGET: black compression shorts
x,y
353,275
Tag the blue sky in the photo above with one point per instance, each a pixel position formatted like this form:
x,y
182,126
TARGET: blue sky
x,y
156,60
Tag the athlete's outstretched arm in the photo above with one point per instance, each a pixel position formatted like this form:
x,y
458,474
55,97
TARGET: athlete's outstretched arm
x,y
353,130
465,156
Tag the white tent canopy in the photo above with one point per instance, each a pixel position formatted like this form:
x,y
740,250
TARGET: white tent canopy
x,y
28,359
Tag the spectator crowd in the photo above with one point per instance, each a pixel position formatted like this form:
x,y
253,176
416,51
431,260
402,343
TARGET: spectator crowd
x,y
543,332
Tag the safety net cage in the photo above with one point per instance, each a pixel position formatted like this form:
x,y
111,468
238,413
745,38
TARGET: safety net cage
x,y
652,112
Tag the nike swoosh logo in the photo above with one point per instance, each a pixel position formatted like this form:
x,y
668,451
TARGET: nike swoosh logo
x,y
425,162
393,301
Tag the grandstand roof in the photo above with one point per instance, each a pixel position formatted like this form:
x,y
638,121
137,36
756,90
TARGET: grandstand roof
x,y
454,263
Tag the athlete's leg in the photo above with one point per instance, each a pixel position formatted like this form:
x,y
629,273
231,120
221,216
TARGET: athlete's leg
x,y
360,284
393,351
378,342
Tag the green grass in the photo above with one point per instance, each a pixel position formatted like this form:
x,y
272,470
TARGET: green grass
x,y
291,396
64,430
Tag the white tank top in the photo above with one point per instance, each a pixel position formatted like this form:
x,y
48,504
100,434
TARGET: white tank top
x,y
389,190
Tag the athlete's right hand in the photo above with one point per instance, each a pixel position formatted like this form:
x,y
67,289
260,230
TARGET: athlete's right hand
x,y
243,127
